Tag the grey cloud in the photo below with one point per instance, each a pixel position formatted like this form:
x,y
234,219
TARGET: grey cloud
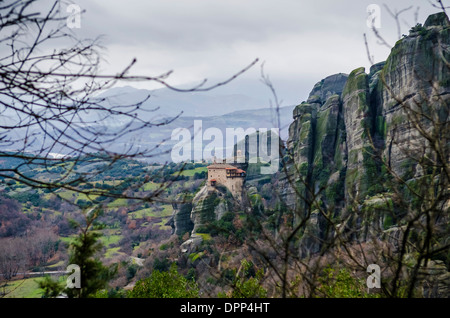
x,y
301,41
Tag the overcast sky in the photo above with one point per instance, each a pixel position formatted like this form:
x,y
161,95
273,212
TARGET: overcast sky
x,y
300,42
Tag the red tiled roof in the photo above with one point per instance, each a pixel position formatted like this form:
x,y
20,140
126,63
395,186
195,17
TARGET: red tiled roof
x,y
220,166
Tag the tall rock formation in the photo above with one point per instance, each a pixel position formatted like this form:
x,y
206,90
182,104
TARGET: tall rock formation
x,y
352,128
197,214
315,147
417,80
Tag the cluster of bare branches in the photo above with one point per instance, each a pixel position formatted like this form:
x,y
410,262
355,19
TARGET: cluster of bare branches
x,y
49,101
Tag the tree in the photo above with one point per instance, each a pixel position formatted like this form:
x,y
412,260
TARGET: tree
x,y
341,284
247,283
13,222
164,284
94,276
12,260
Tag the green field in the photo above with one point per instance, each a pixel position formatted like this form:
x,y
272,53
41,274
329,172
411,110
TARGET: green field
x,y
118,203
190,173
24,288
105,239
68,240
167,210
111,252
110,239
151,186
72,195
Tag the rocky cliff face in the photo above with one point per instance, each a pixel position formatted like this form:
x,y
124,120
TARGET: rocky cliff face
x,y
208,205
316,144
416,77
181,218
354,127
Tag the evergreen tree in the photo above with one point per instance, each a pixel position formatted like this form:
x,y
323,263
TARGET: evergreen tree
x,y
94,276
166,284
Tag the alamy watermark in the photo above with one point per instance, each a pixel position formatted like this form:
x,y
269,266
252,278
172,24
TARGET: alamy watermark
x,y
374,16
73,21
374,279
238,146
74,279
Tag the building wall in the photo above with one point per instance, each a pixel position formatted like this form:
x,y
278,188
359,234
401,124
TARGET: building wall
x,y
234,185
219,174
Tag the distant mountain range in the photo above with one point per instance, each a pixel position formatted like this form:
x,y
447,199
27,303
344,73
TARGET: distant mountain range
x,y
160,136
214,111
171,103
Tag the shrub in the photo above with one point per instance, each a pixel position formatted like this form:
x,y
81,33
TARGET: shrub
x,y
338,283
247,284
169,284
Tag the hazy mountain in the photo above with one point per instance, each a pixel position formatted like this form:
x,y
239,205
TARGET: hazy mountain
x,y
168,103
213,111
160,136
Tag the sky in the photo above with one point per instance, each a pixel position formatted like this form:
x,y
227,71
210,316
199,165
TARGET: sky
x,y
298,42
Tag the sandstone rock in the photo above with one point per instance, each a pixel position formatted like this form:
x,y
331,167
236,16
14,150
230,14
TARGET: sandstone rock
x,y
191,244
316,141
181,217
352,128
208,205
415,76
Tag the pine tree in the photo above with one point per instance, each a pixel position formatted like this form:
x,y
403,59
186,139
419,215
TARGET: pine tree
x,y
94,275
